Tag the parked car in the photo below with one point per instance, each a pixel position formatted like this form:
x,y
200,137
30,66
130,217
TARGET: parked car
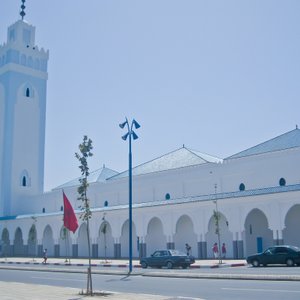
x,y
283,254
167,258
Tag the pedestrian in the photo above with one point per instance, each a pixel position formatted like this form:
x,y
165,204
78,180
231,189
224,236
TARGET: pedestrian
x,y
45,256
215,250
223,250
188,249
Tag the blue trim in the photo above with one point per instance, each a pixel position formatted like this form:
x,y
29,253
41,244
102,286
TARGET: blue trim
x,y
8,218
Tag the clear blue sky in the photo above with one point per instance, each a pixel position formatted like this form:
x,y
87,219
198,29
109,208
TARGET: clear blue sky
x,y
218,76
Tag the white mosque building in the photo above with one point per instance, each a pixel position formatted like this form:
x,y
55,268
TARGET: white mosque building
x,y
256,191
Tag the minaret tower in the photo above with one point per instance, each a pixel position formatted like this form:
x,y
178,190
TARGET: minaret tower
x,y
23,82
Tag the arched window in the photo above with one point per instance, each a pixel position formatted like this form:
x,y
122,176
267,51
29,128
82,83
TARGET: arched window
x,y
24,179
61,208
44,210
167,197
28,91
105,203
282,182
242,187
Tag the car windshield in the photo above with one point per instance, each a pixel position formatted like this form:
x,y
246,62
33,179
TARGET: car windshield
x,y
177,253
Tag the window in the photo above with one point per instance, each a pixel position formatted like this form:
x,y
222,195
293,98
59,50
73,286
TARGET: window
x,y
24,179
28,91
44,210
167,197
62,208
12,35
26,36
282,182
105,203
242,187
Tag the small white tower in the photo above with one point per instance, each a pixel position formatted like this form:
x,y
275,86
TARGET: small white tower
x,y
23,82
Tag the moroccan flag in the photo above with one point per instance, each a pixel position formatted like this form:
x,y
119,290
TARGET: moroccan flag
x,y
70,220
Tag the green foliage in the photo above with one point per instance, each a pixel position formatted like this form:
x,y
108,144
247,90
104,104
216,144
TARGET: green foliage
x,y
217,217
104,228
32,234
63,233
85,152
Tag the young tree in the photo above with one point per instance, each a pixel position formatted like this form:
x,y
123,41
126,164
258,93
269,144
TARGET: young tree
x,y
85,152
217,218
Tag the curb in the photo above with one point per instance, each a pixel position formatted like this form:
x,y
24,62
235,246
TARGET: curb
x,y
138,266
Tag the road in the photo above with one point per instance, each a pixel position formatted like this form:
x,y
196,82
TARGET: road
x,y
172,287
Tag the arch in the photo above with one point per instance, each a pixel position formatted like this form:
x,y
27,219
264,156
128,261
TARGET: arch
x,y
48,242
23,60
125,241
225,235
184,233
37,64
5,242
32,241
28,91
257,234
83,250
155,238
24,178
30,62
18,243
65,243
105,241
290,233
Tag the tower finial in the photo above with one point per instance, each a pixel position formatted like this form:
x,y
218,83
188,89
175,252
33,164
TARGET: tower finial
x,y
22,13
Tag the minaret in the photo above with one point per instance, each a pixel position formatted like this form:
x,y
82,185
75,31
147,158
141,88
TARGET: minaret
x,y
23,82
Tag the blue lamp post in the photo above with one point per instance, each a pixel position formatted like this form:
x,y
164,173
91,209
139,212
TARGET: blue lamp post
x,y
131,134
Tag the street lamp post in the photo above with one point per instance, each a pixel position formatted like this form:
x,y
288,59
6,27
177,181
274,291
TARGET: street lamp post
x,y
130,134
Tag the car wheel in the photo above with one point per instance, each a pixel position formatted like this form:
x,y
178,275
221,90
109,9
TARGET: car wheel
x,y
255,263
144,265
289,262
169,265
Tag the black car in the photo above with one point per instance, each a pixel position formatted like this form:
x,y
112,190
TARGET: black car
x,y
283,255
167,258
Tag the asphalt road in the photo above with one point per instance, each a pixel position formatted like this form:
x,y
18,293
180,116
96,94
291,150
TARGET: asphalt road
x,y
172,287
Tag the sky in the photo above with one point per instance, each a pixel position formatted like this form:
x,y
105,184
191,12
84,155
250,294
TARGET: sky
x,y
217,76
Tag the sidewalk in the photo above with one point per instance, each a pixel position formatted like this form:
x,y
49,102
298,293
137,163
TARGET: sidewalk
x,y
119,263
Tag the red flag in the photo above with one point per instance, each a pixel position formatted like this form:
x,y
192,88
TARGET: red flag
x,y
70,220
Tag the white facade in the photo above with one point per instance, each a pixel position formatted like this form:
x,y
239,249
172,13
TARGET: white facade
x,y
256,192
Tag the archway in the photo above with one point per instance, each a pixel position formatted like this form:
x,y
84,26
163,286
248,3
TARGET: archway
x,y
155,238
65,243
185,234
291,234
32,241
48,242
258,236
105,241
18,243
83,249
124,240
225,236
5,242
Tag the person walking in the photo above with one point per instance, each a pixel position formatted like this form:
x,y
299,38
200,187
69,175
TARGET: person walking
x,y
45,256
188,249
215,250
223,250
